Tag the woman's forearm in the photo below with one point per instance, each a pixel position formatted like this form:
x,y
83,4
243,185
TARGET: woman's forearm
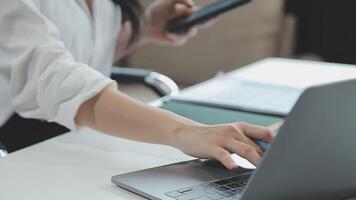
x,y
114,113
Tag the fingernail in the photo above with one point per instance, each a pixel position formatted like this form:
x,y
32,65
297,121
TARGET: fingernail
x,y
232,166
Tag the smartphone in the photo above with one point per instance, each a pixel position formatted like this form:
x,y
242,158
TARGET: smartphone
x,y
184,23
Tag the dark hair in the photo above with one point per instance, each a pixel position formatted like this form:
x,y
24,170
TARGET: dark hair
x,y
131,11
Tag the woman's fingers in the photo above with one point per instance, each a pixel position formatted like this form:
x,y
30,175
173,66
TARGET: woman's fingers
x,y
182,9
209,23
189,3
256,132
181,39
244,150
192,32
176,39
223,154
239,135
225,158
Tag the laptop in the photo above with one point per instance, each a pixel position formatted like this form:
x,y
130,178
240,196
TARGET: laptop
x,y
312,157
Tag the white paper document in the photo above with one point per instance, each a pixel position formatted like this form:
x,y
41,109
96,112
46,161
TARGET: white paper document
x,y
271,86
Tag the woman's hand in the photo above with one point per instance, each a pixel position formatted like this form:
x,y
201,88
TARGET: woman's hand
x,y
154,23
218,142
159,13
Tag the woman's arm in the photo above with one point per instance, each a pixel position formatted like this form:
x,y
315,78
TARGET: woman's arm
x,y
114,113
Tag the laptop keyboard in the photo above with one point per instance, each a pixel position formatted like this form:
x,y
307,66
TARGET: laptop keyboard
x,y
226,189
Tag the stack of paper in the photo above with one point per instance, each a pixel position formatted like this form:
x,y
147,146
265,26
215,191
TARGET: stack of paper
x,y
271,86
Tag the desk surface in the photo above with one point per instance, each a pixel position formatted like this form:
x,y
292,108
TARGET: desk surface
x,y
78,166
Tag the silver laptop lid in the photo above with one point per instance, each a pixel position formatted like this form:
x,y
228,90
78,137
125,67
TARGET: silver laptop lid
x,y
314,154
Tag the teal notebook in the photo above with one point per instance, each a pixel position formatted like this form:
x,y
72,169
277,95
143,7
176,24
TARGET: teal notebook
x,y
211,115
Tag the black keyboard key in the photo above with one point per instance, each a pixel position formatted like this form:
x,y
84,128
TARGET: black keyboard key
x,y
236,197
192,195
228,194
215,196
198,187
233,185
222,188
239,178
202,198
209,191
174,194
185,190
236,191
209,185
243,183
222,182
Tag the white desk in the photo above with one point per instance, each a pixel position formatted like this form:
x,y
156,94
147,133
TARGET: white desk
x,y
78,166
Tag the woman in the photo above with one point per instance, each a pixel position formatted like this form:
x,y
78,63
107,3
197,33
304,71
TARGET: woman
x,y
56,57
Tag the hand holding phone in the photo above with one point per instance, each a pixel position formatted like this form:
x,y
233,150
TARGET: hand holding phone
x,y
184,23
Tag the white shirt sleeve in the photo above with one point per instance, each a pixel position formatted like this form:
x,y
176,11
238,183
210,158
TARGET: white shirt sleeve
x,y
45,82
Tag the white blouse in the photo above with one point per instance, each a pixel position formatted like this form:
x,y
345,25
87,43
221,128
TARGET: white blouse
x,y
54,55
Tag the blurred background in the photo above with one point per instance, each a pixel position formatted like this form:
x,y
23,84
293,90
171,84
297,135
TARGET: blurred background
x,y
316,30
